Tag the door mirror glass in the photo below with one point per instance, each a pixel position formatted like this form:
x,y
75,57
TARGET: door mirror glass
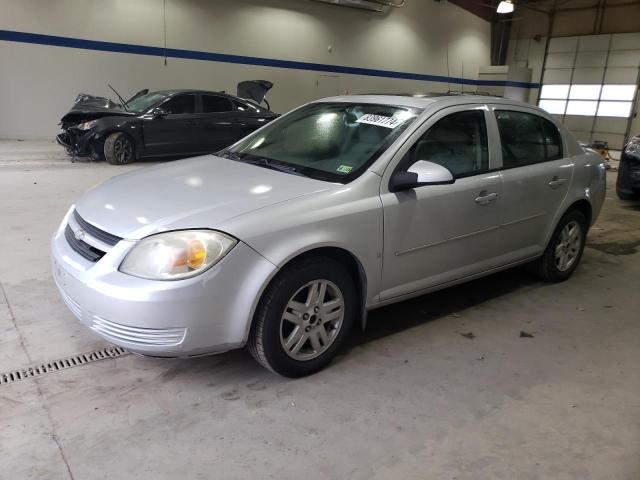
x,y
159,112
420,174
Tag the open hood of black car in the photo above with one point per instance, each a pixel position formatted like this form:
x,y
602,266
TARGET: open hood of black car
x,y
84,112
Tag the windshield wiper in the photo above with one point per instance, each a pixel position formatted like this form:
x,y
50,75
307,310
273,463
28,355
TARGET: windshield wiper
x,y
229,155
261,162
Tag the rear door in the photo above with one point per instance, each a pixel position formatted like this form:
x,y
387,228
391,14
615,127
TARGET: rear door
x,y
221,122
536,177
438,233
175,133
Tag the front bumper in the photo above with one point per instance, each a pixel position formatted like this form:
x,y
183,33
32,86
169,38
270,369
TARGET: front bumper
x,y
209,313
77,142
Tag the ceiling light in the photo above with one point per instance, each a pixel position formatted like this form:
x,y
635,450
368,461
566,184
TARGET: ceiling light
x,y
505,6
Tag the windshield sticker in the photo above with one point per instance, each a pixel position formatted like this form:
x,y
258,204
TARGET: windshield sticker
x,y
344,169
380,120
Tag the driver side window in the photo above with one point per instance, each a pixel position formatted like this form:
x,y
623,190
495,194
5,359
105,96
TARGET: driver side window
x,y
458,142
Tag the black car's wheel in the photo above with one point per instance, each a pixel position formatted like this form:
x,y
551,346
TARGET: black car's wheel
x,y
119,149
627,196
303,317
564,251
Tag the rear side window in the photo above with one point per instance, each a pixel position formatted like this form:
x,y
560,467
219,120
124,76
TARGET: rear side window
x,y
180,104
457,142
215,104
527,139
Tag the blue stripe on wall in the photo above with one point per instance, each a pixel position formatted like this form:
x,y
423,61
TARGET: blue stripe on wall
x,y
70,42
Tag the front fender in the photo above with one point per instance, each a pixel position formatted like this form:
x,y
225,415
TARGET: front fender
x,y
131,126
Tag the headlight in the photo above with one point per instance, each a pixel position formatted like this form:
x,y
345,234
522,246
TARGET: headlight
x,y
86,125
177,255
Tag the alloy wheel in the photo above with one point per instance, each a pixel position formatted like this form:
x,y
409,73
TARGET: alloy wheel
x,y
312,320
123,150
568,246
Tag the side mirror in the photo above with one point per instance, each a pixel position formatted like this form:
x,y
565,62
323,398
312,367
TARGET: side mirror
x,y
420,174
159,112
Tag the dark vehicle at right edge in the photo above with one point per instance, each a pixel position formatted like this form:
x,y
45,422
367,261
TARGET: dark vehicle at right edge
x,y
628,182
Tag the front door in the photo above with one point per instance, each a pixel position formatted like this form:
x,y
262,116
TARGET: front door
x,y
175,133
439,233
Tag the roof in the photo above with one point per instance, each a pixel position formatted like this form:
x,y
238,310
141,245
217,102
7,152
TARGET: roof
x,y
184,90
423,101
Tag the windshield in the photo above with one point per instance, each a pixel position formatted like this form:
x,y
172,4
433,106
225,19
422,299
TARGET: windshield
x,y
140,104
335,142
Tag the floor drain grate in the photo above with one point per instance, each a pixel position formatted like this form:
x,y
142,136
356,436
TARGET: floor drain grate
x,y
62,364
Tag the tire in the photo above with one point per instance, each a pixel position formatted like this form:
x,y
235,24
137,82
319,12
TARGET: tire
x,y
119,149
627,196
564,251
291,313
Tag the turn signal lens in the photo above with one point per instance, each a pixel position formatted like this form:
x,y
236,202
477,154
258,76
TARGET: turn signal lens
x,y
197,254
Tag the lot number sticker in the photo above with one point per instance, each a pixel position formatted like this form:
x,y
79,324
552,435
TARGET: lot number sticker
x,y
379,120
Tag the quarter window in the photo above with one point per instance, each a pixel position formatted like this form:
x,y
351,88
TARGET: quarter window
x,y
527,139
180,104
215,104
457,142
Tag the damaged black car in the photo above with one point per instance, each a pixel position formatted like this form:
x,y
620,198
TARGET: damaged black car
x,y
628,181
166,123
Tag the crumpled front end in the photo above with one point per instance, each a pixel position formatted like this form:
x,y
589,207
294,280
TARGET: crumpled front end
x,y
81,143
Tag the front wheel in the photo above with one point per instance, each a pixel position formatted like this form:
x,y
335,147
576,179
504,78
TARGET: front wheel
x,y
303,317
564,251
119,149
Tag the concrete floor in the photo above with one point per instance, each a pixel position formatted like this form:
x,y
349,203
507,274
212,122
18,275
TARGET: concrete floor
x,y
411,398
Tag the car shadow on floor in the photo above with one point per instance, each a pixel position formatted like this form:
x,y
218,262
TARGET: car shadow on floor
x,y
420,310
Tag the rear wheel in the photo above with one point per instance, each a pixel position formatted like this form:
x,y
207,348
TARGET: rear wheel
x,y
303,317
119,149
564,251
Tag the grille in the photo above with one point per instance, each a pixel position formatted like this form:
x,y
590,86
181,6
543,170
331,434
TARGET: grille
x,y
136,335
87,251
95,232
62,364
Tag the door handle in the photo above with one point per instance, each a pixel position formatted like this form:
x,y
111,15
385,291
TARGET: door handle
x,y
556,182
485,198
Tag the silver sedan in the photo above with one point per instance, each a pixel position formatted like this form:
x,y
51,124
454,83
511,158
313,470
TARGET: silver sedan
x,y
283,241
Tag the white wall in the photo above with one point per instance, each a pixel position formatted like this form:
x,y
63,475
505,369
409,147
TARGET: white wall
x,y
38,83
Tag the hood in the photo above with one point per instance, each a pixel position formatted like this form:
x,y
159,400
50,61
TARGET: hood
x,y
80,113
84,99
89,107
201,192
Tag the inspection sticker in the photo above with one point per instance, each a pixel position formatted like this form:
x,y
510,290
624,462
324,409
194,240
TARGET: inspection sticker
x,y
380,120
344,169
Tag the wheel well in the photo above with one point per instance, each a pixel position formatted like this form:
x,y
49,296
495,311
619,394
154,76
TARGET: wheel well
x,y
584,207
346,259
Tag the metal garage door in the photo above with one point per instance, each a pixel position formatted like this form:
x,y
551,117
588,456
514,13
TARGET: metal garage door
x,y
590,84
